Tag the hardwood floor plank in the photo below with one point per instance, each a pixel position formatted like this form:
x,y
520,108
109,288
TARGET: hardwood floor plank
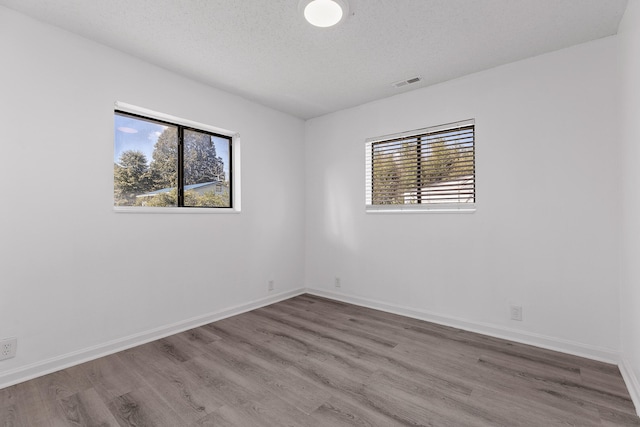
x,y
268,412
527,395
200,335
311,361
418,401
85,408
312,344
228,416
31,408
142,408
177,348
185,394
327,328
62,383
609,382
110,377
563,390
231,388
533,368
542,397
331,376
272,411
264,350
9,416
613,418
345,412
295,391
8,396
521,411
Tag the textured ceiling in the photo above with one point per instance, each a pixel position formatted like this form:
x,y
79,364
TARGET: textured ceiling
x,y
263,50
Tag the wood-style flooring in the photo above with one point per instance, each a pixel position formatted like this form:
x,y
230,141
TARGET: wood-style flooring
x,y
310,361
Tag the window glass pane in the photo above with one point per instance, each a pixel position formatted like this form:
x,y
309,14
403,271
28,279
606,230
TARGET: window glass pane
x,y
206,170
145,162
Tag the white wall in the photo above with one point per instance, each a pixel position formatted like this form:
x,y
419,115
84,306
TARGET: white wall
x,y
546,231
73,273
629,39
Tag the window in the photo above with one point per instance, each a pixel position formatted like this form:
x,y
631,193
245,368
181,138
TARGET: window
x,y
426,169
160,163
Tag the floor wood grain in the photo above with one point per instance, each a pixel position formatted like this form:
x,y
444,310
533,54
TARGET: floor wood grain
x,y
311,361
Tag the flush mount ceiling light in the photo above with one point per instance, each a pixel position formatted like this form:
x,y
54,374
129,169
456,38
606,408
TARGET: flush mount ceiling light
x,y
324,13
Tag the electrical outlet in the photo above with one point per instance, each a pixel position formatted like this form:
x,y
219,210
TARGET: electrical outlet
x,y
516,312
337,282
8,348
272,285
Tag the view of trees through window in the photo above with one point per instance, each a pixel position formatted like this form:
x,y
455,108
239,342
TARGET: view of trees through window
x,y
147,168
431,168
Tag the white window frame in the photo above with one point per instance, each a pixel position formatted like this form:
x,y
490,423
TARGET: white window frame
x,y
235,164
414,208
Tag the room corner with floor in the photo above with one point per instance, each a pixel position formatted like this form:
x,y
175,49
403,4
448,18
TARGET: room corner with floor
x,y
302,306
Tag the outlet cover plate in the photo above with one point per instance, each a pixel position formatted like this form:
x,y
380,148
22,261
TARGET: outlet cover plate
x,y
8,348
516,312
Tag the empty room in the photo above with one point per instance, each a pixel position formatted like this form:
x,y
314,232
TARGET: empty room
x,y
320,213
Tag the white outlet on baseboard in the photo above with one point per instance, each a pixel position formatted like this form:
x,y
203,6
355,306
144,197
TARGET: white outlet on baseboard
x,y
337,282
516,312
272,285
8,348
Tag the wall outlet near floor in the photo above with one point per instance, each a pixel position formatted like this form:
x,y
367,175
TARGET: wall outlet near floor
x,y
271,285
516,312
8,348
337,282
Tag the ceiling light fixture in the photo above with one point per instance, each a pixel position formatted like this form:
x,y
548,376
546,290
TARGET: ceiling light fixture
x,y
324,13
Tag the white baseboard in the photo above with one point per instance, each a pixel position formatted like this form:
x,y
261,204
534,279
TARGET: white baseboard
x,y
538,340
34,370
631,380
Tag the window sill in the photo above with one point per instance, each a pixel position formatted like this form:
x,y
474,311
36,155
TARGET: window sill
x,y
420,210
174,210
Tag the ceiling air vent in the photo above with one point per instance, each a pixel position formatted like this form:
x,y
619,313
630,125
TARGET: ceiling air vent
x,y
407,82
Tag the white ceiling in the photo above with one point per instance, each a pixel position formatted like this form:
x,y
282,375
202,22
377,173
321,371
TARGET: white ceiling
x,y
263,50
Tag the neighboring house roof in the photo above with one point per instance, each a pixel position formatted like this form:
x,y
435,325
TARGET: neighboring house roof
x,y
186,187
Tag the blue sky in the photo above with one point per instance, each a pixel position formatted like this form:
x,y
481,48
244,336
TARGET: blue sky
x,y
135,134
141,135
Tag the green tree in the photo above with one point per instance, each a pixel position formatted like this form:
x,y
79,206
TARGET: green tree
x,y
201,163
394,170
208,199
168,198
130,177
164,166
